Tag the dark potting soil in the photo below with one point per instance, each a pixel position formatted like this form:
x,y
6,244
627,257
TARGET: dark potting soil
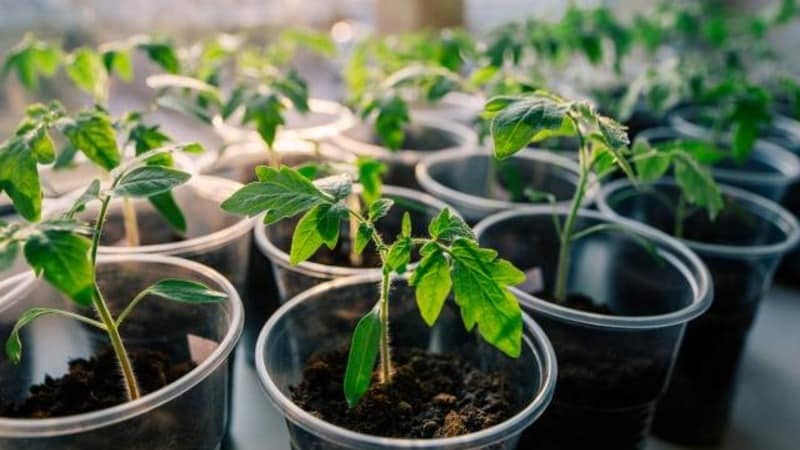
x,y
95,384
431,396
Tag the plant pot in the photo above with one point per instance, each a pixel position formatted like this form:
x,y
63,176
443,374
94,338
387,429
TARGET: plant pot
x,y
322,319
613,366
324,119
238,163
213,237
456,106
15,285
187,413
750,236
274,241
769,171
475,183
426,134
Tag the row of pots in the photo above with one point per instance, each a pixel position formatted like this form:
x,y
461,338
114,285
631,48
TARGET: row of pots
x,y
612,386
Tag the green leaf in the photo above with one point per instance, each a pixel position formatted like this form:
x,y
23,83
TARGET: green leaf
x,y
650,163
8,254
448,227
399,255
63,259
698,186
391,121
295,89
19,178
614,133
370,173
91,193
14,343
118,61
318,226
379,208
185,107
433,283
363,236
266,111
93,134
87,71
147,181
163,54
30,59
480,278
42,146
362,357
337,186
406,225
185,291
282,193
146,138
168,208
317,41
745,134
519,121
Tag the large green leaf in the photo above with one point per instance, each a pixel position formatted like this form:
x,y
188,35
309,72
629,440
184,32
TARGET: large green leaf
x,y
363,354
320,225
185,291
93,134
514,126
433,283
148,181
63,258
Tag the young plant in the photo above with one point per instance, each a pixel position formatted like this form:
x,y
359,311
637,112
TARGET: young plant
x,y
451,259
602,149
63,249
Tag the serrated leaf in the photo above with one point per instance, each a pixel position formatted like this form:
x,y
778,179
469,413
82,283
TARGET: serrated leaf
x,y
63,259
399,255
514,126
614,133
282,193
697,185
362,357
86,69
480,279
363,236
19,178
433,284
93,134
148,181
448,226
379,208
185,291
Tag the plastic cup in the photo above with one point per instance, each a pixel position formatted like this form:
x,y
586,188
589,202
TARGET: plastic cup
x,y
425,134
188,413
456,106
274,241
612,368
475,184
749,237
322,319
769,171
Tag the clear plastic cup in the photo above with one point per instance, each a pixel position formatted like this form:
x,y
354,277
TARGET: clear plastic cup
x,y
323,318
769,171
456,106
188,413
748,239
274,241
473,182
425,134
213,237
789,138
612,368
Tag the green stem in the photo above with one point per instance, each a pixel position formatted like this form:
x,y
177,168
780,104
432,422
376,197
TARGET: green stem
x,y
101,307
130,222
385,349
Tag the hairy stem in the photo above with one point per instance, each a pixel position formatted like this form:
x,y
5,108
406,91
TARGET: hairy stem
x,y
131,223
103,313
353,203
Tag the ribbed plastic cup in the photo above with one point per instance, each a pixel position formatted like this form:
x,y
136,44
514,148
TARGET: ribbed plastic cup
x,y
188,413
477,186
769,171
742,249
426,134
612,367
274,241
323,318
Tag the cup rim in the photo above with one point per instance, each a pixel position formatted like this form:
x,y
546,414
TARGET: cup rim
x,y
15,286
759,205
535,339
466,137
693,269
79,423
197,244
255,151
438,189
344,119
280,257
786,164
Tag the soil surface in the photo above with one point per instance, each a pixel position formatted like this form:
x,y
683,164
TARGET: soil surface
x,y
431,396
95,384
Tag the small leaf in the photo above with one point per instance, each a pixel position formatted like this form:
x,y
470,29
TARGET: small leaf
x,y
63,258
14,343
370,172
318,226
406,225
399,255
362,357
266,111
168,208
745,134
19,178
447,226
433,283
650,163
93,134
698,186
391,121
42,146
186,291
379,208
118,61
148,181
91,193
163,54
363,236
87,71
337,186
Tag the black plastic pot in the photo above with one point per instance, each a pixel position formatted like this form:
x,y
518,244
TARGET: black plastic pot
x,y
614,365
742,249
